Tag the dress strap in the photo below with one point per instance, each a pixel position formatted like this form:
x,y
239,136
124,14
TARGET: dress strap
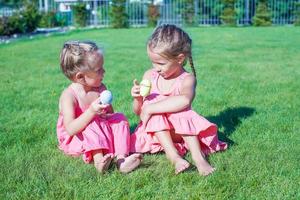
x,y
182,77
179,81
72,91
154,75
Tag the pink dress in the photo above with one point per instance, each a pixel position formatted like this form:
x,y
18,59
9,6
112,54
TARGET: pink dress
x,y
186,122
112,135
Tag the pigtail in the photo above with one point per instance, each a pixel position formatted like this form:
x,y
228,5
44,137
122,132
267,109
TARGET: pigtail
x,y
192,65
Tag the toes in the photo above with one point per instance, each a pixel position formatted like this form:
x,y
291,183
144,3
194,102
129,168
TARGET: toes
x,y
182,168
109,155
208,172
104,163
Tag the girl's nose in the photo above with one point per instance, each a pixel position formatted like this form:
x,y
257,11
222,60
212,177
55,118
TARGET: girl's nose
x,y
157,68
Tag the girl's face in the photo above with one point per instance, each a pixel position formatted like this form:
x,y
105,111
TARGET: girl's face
x,y
166,68
94,77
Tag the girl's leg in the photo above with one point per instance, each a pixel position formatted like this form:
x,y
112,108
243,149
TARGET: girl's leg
x,y
204,168
101,161
121,133
166,142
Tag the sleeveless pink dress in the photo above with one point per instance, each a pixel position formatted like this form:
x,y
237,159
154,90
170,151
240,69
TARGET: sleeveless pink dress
x,y
112,134
186,122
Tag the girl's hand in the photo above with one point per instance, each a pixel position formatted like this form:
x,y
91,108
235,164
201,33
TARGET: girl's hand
x,y
106,115
98,108
145,114
107,112
135,90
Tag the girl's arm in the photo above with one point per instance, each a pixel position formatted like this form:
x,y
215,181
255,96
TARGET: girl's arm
x,y
135,93
137,104
174,103
75,125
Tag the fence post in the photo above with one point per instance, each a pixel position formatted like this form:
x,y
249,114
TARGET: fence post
x,y
46,5
247,12
94,12
196,4
40,5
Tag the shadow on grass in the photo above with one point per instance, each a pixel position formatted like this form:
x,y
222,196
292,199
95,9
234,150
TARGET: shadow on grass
x,y
229,120
133,127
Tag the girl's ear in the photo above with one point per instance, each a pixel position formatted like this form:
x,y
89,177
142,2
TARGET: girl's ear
x,y
181,58
79,78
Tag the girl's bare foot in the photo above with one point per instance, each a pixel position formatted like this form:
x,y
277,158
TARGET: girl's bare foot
x,y
180,165
103,163
204,168
127,164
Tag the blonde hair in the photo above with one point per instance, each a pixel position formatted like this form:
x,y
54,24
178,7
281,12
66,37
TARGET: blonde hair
x,y
169,41
74,57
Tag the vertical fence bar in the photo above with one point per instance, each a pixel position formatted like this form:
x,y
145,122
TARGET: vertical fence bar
x,y
280,12
211,14
284,11
282,6
247,12
204,12
272,11
196,10
207,12
287,12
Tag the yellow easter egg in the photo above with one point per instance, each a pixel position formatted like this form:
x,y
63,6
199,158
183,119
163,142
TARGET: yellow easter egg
x,y
145,87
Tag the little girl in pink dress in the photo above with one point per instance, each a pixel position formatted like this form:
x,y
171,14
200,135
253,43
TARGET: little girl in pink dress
x,y
85,126
167,121
186,122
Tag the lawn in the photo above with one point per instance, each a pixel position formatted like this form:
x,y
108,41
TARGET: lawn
x,y
248,84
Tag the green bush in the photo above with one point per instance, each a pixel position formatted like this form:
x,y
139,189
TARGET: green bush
x,y
25,20
16,24
12,24
61,19
3,25
262,15
52,19
228,16
119,18
189,12
31,16
80,14
153,15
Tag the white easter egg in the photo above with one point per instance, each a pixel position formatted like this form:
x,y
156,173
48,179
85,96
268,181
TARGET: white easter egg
x,y
106,97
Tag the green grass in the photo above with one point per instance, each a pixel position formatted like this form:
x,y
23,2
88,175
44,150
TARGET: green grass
x,y
248,84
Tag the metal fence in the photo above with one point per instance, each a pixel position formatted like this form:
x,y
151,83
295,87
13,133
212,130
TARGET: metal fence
x,y
206,12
